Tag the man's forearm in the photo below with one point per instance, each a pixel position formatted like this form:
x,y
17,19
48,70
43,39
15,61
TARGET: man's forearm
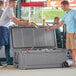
x,y
18,22
22,24
55,27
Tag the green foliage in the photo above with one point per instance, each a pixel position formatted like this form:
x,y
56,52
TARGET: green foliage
x,y
50,14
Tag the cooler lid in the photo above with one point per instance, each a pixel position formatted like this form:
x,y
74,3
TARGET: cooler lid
x,y
30,37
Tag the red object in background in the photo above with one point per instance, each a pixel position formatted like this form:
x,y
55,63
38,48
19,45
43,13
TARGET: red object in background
x,y
32,4
21,20
7,3
28,49
72,3
57,3
53,3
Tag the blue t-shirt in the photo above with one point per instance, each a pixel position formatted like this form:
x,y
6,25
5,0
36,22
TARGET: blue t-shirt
x,y
70,20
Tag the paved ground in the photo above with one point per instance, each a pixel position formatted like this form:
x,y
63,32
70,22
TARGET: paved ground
x,y
11,71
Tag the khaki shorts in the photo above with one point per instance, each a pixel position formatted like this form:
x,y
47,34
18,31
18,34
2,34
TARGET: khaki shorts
x,y
70,41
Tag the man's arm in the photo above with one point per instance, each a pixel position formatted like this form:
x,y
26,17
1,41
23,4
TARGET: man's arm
x,y
56,26
18,22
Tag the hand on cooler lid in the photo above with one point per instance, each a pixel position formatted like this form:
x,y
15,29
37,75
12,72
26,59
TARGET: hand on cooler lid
x,y
47,29
30,24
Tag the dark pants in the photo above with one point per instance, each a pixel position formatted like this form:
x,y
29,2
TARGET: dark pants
x,y
7,54
5,41
58,36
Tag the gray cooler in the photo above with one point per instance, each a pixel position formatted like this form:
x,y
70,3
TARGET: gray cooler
x,y
35,48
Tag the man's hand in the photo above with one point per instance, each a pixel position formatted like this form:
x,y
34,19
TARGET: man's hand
x,y
35,25
47,29
30,24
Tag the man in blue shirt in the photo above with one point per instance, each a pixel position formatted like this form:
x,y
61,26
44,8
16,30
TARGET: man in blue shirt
x,y
69,19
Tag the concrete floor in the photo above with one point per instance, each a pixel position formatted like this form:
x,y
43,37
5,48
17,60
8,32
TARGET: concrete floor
x,y
11,71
